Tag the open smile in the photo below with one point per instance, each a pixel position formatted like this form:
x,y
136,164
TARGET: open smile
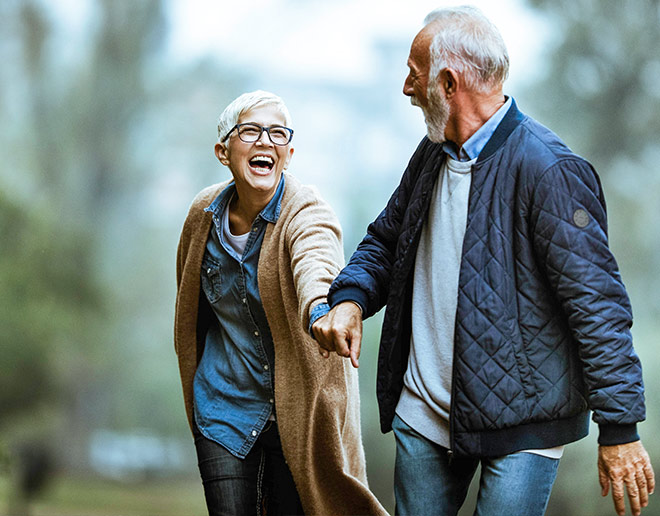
x,y
261,163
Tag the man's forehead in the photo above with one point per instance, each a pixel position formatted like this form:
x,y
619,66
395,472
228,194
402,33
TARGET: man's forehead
x,y
420,48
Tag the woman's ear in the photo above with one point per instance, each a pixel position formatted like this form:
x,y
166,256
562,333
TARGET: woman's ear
x,y
221,154
288,158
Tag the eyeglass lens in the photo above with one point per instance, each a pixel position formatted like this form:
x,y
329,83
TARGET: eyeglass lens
x,y
250,133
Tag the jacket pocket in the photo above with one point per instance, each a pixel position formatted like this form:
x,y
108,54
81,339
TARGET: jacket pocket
x,y
522,361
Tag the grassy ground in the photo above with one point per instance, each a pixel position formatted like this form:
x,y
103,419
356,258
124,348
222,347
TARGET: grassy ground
x,y
69,496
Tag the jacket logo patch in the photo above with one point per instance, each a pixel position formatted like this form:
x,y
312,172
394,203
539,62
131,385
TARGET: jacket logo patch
x,y
581,218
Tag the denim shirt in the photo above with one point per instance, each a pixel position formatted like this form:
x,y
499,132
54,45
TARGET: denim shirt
x,y
234,382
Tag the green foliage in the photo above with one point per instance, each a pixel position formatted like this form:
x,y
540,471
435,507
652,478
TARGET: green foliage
x,y
93,122
601,87
46,294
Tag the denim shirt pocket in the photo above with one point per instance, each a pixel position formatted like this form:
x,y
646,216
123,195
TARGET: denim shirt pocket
x,y
211,279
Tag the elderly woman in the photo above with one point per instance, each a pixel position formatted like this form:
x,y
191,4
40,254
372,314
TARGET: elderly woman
x,y
276,426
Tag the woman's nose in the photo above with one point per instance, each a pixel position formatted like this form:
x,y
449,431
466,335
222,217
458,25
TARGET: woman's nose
x,y
264,138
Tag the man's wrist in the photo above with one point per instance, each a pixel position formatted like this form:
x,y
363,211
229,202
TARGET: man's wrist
x,y
353,294
356,304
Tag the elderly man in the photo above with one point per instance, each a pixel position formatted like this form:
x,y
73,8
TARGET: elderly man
x,y
506,320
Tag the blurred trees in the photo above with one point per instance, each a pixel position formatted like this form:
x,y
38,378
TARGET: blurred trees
x,y
94,125
600,94
106,138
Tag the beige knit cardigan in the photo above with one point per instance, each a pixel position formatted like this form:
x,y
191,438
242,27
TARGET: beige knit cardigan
x,y
316,399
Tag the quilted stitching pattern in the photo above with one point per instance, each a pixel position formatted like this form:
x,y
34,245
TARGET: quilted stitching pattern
x,y
543,318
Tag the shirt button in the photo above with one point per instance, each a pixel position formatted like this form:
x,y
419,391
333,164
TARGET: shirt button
x,y
256,333
254,433
244,300
271,400
265,367
254,229
208,271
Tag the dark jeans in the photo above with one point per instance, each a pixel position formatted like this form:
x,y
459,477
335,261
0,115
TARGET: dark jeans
x,y
261,482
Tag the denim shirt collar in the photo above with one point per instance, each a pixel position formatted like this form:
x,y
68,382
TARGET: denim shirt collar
x,y
475,144
270,213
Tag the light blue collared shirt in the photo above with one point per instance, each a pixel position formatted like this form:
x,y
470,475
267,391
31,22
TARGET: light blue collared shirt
x,y
476,143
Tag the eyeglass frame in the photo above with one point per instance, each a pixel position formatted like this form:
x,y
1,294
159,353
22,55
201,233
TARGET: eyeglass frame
x,y
262,129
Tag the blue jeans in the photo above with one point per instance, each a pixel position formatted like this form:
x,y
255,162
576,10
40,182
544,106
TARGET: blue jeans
x,y
427,482
262,480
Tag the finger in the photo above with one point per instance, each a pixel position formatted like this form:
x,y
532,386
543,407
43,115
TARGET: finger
x,y
324,352
356,346
650,476
316,329
342,346
355,358
604,481
642,487
323,344
618,498
633,496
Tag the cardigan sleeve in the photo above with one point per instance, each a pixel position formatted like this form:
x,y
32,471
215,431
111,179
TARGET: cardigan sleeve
x,y
315,247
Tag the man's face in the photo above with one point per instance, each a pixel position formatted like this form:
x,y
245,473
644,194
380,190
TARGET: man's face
x,y
424,93
419,64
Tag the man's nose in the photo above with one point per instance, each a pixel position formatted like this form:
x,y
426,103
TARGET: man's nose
x,y
407,87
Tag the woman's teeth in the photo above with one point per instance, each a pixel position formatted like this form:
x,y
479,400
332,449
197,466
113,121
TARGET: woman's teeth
x,y
262,162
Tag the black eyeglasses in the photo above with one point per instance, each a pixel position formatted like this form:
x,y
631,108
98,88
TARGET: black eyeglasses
x,y
251,132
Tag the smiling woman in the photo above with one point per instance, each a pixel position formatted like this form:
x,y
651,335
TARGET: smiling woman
x,y
257,150
275,425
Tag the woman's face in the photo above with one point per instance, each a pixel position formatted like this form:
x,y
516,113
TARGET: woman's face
x,y
257,167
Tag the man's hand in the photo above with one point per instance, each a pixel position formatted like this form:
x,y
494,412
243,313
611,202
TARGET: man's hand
x,y
340,331
629,465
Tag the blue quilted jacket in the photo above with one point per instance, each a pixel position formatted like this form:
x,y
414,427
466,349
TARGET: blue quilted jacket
x,y
543,319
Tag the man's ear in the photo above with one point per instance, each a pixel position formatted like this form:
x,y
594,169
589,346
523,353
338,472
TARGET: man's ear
x,y
450,81
221,154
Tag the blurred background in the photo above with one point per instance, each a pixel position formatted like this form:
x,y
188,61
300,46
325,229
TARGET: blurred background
x,y
108,111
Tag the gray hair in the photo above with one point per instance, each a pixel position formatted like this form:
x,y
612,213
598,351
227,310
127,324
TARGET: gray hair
x,y
241,105
470,43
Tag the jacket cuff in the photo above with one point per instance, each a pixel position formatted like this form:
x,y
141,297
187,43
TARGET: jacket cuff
x,y
355,294
610,435
317,312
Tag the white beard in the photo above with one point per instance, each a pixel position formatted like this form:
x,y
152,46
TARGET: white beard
x,y
436,114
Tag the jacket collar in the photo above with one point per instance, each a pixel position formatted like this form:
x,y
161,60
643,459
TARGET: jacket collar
x,y
510,121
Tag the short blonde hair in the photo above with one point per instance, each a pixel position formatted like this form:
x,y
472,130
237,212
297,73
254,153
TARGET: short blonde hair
x,y
232,113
